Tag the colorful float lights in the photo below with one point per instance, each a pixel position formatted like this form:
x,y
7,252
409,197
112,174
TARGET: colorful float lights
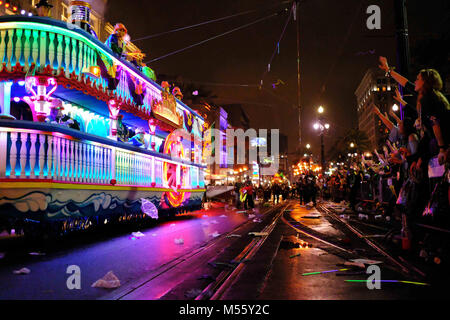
x,y
71,130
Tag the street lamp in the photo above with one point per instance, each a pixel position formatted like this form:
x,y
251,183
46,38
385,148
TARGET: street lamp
x,y
321,127
352,145
395,108
308,146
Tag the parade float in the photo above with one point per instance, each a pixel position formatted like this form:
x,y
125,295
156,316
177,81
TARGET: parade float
x,y
67,102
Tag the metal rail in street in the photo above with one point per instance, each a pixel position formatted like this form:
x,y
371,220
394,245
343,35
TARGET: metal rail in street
x,y
216,289
167,267
404,266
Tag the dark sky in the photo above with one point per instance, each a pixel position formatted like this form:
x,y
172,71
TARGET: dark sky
x,y
335,53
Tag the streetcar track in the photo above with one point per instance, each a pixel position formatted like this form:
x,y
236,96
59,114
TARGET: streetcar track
x,y
309,234
167,267
216,289
404,266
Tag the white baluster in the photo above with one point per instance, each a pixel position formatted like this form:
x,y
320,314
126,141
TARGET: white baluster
x,y
88,164
70,161
23,154
62,171
83,162
100,164
55,157
51,49
19,33
26,48
80,59
85,60
2,43
43,49
74,54
9,49
76,176
106,166
130,168
91,163
35,47
95,148
67,55
59,51
121,167
3,144
50,157
95,164
13,155
41,155
33,155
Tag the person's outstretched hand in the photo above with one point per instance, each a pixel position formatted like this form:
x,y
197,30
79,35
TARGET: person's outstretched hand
x,y
399,97
384,64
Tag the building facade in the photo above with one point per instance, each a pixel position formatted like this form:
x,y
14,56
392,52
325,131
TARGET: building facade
x,y
379,90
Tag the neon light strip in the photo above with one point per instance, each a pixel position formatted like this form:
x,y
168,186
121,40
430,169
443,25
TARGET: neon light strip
x,y
55,29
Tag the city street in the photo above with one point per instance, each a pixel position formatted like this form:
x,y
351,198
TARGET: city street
x,y
217,259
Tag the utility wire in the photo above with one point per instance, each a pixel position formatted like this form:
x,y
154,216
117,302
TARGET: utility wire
x,y
207,22
218,84
212,38
277,46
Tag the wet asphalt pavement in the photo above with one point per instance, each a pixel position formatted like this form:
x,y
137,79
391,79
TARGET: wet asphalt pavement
x,y
176,260
118,251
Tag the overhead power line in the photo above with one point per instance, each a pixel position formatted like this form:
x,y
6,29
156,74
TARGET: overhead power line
x,y
277,46
208,22
212,38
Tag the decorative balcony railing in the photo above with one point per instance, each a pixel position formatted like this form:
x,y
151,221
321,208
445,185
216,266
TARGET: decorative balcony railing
x,y
36,151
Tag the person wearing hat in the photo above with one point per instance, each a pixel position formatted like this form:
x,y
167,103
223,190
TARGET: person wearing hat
x,y
138,139
44,8
55,116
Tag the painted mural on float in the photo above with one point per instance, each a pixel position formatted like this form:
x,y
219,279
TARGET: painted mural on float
x,y
62,204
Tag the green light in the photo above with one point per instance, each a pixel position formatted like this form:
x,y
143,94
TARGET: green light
x,y
308,274
311,273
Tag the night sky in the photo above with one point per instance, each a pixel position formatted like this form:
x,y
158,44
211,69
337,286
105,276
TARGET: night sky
x,y
336,51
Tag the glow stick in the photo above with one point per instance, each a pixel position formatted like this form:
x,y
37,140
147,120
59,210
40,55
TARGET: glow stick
x,y
393,281
311,273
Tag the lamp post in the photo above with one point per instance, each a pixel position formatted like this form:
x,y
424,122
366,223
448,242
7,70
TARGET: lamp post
x,y
321,126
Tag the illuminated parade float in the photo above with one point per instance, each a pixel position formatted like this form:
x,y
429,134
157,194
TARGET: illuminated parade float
x,y
86,134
